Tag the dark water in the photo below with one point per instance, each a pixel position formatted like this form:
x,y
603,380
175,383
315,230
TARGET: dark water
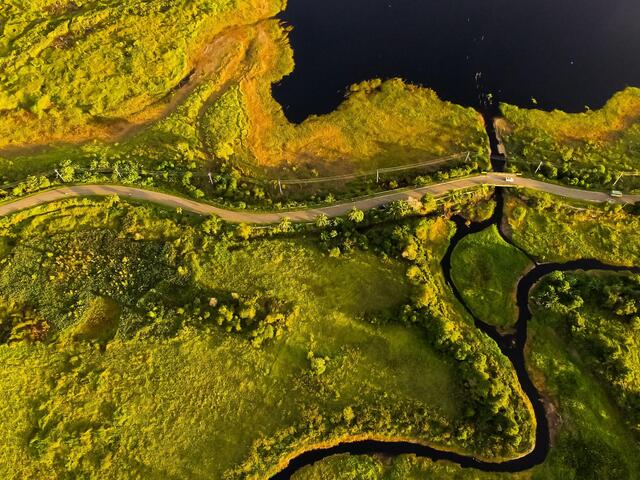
x,y
564,53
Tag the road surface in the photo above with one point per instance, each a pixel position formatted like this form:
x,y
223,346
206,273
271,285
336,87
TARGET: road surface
x,y
437,190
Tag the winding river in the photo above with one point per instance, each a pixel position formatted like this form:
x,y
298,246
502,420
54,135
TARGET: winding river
x,y
512,346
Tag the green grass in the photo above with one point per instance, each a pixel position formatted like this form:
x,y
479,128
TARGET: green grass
x,y
593,438
156,389
76,68
198,405
555,230
222,120
486,269
586,149
592,442
582,328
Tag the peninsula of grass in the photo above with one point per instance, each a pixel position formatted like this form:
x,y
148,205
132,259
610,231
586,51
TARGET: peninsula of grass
x,y
552,229
486,269
588,149
125,327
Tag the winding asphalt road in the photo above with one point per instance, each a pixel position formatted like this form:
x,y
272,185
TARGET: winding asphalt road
x,y
437,190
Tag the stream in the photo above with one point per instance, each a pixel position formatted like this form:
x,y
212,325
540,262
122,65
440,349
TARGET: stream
x,y
512,346
545,54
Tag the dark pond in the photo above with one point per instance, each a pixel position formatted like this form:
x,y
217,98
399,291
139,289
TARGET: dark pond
x,y
564,53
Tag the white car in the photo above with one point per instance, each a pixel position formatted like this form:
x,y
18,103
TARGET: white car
x,y
509,179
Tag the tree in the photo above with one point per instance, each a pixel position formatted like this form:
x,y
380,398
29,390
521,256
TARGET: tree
x,y
244,231
348,415
31,183
399,209
212,225
186,179
43,182
355,215
67,171
429,203
411,251
322,221
285,225
426,295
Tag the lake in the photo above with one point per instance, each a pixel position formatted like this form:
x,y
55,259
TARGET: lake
x,y
564,54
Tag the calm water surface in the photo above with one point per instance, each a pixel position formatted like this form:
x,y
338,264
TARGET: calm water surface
x,y
563,53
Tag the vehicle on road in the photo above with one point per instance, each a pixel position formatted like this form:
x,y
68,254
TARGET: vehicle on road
x,y
616,193
509,179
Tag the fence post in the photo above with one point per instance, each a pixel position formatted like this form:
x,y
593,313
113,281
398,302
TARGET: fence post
x,y
280,186
377,176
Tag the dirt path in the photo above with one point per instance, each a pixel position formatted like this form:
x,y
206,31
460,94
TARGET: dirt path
x,y
173,201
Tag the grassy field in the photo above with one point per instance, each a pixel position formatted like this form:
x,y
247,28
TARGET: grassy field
x,y
212,111
74,70
558,231
137,342
583,354
579,339
586,149
486,270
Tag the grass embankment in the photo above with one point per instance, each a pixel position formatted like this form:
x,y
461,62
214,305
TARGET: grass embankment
x,y
223,120
139,342
486,270
558,231
583,351
586,149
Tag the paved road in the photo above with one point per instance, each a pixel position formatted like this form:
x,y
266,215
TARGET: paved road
x,y
186,204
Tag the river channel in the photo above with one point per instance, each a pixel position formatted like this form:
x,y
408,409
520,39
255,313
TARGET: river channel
x,y
567,54
512,346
